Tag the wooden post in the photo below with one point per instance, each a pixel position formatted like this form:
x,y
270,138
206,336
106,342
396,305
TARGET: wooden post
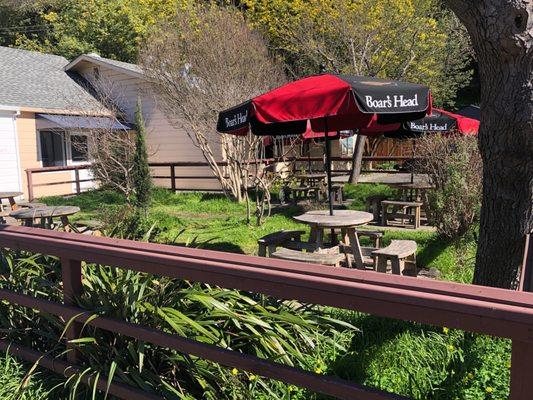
x,y
522,353
77,178
29,182
521,371
173,178
72,289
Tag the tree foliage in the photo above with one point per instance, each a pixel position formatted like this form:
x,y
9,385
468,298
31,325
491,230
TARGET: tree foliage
x,y
112,28
204,61
415,40
142,181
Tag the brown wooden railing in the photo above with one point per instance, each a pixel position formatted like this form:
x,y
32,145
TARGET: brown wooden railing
x,y
174,175
483,310
76,168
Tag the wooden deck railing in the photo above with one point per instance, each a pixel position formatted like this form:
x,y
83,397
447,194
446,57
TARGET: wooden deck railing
x,y
472,308
174,174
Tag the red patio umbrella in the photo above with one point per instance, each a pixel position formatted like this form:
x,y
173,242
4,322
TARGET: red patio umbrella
x,y
330,103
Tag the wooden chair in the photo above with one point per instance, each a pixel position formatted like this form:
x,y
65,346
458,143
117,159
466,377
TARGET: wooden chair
x,y
402,256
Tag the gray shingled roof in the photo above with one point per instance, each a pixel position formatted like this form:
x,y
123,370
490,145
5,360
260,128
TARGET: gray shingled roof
x,y
36,80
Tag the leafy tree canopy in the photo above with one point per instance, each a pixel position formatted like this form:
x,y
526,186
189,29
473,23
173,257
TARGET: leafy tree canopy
x,y
415,40
112,28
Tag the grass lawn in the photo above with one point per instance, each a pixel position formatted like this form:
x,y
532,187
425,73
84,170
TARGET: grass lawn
x,y
212,222
409,359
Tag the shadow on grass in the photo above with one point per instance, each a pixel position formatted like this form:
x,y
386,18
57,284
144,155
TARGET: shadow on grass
x,y
432,249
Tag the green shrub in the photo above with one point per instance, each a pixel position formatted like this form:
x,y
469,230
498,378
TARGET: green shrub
x,y
287,332
454,166
142,181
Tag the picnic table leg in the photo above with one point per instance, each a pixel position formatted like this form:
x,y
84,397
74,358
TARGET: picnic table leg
x,y
384,211
356,248
65,222
13,203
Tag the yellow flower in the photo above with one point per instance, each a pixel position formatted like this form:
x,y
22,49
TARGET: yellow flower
x,y
451,347
445,330
252,377
489,390
234,371
318,370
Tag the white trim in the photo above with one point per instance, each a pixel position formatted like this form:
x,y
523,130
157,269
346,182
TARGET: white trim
x,y
19,170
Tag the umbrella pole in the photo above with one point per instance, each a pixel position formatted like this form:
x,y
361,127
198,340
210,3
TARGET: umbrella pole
x,y
413,162
328,166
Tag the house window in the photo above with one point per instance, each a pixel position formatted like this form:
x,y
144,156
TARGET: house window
x,y
78,145
52,149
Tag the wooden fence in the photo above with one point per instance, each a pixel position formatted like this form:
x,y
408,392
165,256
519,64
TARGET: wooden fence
x,y
483,310
174,174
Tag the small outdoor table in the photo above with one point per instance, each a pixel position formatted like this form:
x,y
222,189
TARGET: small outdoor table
x,y
412,191
345,220
10,196
45,215
313,179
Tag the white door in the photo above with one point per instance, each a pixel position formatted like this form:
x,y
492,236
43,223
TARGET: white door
x,y
9,155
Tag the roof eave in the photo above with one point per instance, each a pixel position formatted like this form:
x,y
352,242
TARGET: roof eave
x,y
100,62
93,113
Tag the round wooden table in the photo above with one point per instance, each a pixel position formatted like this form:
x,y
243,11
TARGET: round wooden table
x,y
46,215
345,220
10,196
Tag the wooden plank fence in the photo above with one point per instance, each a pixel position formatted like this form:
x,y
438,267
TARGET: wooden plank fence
x,y
472,308
174,174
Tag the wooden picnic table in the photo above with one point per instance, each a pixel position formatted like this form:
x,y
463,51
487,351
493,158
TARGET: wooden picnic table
x,y
46,215
412,191
345,220
311,178
10,196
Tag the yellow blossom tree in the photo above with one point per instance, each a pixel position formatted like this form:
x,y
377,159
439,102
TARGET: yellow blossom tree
x,y
415,40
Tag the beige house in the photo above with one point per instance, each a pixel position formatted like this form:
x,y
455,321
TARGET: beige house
x,y
47,107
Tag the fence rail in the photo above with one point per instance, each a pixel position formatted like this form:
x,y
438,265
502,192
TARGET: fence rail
x,y
484,310
174,176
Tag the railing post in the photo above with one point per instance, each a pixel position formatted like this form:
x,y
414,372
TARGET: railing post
x,y
521,371
29,182
77,178
522,353
72,289
173,177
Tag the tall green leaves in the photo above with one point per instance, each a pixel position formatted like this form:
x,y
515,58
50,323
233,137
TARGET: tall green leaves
x,y
142,182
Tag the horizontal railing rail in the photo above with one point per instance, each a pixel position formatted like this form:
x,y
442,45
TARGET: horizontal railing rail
x,y
483,310
30,172
201,167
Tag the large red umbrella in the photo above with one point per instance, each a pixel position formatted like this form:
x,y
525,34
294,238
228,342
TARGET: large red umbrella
x,y
330,103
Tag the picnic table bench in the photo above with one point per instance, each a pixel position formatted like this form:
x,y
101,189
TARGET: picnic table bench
x,y
409,210
324,258
402,256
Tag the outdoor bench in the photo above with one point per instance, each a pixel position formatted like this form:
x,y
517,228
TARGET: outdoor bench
x,y
269,243
331,259
402,256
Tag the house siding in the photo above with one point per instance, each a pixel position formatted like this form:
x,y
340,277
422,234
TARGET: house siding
x,y
166,143
29,158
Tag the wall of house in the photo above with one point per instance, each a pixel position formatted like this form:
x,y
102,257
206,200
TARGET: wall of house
x,y
29,158
166,143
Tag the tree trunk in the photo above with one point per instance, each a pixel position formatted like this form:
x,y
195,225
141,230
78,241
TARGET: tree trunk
x,y
357,159
502,36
